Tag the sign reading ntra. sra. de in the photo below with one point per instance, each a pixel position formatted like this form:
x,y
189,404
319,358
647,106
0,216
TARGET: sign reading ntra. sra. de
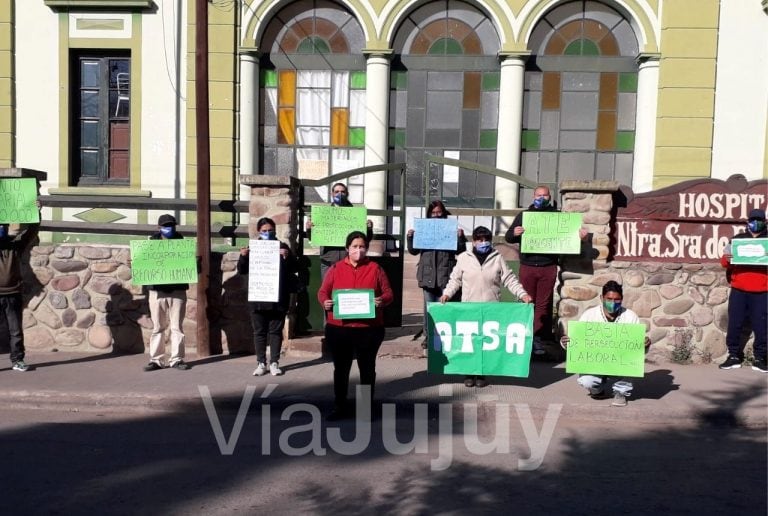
x,y
480,338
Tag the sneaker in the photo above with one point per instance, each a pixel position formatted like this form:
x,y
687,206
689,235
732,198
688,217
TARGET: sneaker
x,y
758,365
619,400
152,366
19,365
599,395
732,362
274,369
181,365
260,370
481,382
469,381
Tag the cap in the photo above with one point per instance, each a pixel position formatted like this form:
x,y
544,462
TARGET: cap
x,y
757,214
166,220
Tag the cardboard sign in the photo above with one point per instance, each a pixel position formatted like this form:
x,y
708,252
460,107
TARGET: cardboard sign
x,y
18,201
749,251
264,270
551,232
613,349
438,234
480,338
163,262
353,304
332,224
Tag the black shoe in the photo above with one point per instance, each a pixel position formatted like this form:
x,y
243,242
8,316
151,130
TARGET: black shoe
x,y
181,366
759,364
469,381
152,366
424,344
481,382
602,395
732,362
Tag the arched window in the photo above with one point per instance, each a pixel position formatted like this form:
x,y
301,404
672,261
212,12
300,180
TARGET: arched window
x,y
580,96
313,94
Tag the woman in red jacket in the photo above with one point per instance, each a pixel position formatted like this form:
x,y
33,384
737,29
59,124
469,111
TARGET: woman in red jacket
x,y
347,338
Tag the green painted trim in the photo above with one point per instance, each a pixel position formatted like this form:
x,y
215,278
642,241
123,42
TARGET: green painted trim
x,y
8,100
106,4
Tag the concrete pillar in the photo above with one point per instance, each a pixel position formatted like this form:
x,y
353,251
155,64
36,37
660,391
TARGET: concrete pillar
x,y
249,120
376,132
509,132
645,123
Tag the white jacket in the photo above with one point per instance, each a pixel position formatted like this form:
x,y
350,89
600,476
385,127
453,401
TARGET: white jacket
x,y
596,314
482,283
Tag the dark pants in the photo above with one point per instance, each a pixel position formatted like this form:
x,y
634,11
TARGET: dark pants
x,y
10,325
267,328
539,282
742,306
431,295
347,343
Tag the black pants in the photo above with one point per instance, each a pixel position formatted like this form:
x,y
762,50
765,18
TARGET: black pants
x,y
268,328
10,325
347,343
742,306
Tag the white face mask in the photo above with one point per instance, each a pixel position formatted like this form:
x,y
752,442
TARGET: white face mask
x,y
358,253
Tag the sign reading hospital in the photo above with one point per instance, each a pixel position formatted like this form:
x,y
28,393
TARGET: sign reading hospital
x,y
480,338
691,221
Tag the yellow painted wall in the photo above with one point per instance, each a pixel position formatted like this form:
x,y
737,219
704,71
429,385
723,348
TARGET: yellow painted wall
x,y
686,91
7,125
222,96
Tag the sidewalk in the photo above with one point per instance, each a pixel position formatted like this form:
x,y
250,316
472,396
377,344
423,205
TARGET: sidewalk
x,y
669,393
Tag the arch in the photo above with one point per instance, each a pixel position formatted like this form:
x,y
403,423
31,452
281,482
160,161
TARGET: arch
x,y
641,17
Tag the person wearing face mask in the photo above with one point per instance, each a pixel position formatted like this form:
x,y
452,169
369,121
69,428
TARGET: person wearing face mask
x,y
610,310
167,301
479,274
350,338
268,318
329,254
538,272
434,266
748,300
12,246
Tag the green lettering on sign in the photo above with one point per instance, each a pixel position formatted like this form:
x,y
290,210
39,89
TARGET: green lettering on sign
x,y
332,224
163,262
749,251
612,349
551,232
480,338
18,201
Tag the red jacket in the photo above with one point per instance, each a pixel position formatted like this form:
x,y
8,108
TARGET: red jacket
x,y
749,278
367,275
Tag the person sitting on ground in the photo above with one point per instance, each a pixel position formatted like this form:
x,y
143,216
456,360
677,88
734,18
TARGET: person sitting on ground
x,y
609,311
479,274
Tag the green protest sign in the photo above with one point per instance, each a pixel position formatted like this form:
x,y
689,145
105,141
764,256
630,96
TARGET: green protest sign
x,y
18,201
480,338
612,349
163,262
749,251
551,232
332,224
353,304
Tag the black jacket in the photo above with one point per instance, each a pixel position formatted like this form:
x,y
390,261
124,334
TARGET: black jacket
x,y
288,281
11,249
435,266
533,259
173,286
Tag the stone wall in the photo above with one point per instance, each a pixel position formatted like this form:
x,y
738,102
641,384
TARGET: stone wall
x,y
681,304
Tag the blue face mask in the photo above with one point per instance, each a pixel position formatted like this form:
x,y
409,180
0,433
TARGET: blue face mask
x,y
756,226
611,306
483,247
540,202
3,231
339,198
167,231
267,235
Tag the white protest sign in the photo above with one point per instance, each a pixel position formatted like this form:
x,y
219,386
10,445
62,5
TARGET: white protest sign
x,y
264,270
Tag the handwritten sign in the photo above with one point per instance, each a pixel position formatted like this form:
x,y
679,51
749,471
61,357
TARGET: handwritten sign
x,y
613,349
353,304
264,270
163,262
480,338
332,224
551,232
435,234
749,251
18,201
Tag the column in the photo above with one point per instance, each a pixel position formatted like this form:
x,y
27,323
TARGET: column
x,y
249,120
509,132
645,123
376,132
